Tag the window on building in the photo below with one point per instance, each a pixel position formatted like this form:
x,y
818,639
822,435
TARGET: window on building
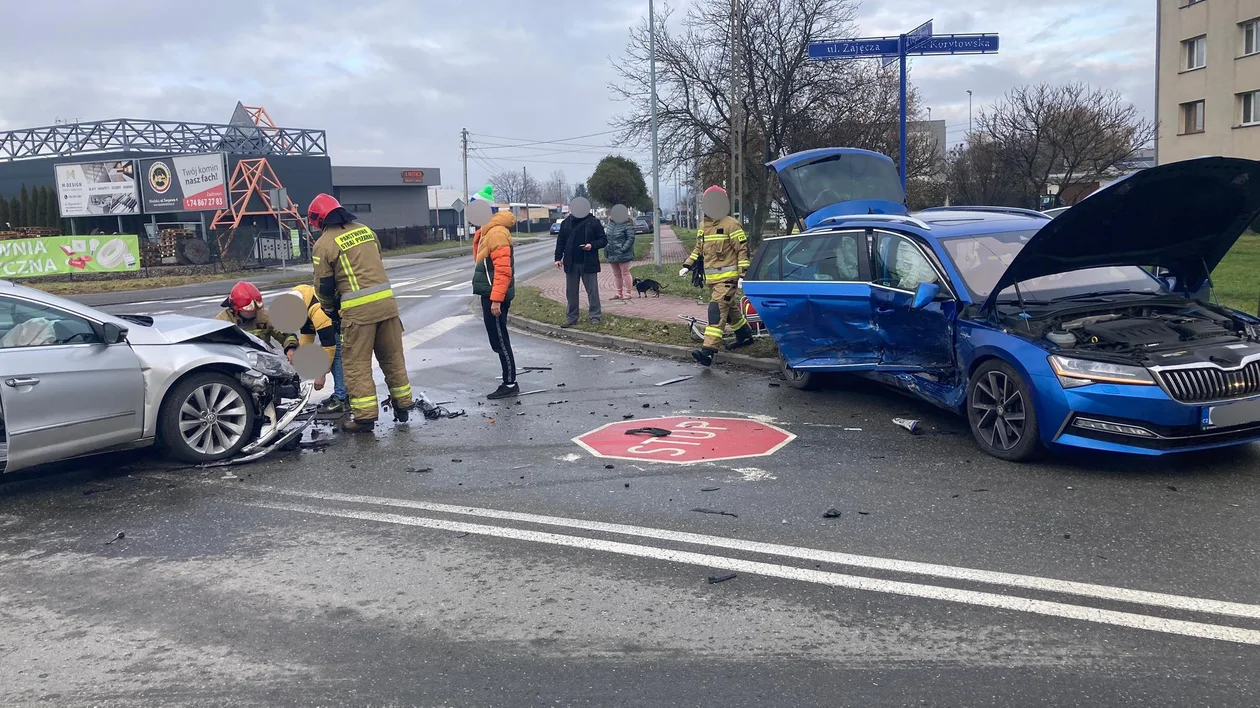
x,y
1188,3
1251,37
1192,117
358,208
1250,107
1195,53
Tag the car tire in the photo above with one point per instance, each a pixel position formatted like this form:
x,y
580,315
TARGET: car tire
x,y
205,418
1001,413
803,380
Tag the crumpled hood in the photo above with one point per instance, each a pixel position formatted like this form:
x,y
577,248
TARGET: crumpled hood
x,y
173,329
1183,216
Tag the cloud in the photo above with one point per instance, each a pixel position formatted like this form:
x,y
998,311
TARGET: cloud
x,y
394,81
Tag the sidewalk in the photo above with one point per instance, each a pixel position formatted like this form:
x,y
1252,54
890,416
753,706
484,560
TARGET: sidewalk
x,y
665,308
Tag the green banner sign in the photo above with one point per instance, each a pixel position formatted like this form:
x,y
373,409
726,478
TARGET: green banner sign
x,y
63,255
295,240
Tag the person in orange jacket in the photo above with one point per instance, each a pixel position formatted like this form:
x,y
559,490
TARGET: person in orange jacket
x,y
495,282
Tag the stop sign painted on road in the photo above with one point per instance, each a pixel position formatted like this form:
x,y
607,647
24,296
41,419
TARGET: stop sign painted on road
x,y
691,439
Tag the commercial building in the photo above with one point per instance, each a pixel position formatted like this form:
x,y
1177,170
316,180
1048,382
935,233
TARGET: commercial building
x,y
1208,79
386,197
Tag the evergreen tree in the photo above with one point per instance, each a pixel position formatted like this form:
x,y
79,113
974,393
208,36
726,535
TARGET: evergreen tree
x,y
54,209
25,200
39,205
15,212
4,212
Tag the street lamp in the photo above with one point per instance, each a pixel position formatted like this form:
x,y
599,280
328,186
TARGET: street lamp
x,y
968,115
929,114
656,179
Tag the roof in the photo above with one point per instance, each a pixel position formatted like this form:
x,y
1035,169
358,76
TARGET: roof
x,y
386,176
941,223
446,198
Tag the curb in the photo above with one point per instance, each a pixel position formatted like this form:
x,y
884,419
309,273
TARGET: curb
x,y
609,341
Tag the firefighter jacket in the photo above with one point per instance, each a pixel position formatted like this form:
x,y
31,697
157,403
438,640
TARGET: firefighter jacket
x,y
495,258
350,276
260,326
318,324
724,248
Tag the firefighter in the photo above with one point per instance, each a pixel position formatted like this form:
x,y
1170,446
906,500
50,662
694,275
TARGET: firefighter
x,y
320,326
351,283
244,308
723,248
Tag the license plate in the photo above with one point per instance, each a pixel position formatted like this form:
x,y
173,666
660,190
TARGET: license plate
x,y
1230,414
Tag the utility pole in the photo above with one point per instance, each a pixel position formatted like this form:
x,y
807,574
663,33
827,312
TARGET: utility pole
x,y
464,144
968,116
525,195
656,167
737,113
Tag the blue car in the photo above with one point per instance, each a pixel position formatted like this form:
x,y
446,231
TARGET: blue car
x,y
1091,330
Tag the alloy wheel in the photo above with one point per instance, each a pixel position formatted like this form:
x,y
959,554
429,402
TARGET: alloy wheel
x,y
212,419
997,406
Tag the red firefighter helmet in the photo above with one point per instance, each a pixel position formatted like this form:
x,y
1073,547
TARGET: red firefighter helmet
x,y
245,298
321,206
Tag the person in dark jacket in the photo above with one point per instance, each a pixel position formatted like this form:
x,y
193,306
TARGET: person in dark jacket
x,y
577,253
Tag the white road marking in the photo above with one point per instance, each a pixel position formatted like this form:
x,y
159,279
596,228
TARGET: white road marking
x,y
892,587
1026,582
464,295
411,297
442,326
753,474
466,285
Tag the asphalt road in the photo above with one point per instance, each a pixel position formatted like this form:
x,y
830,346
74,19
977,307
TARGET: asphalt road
x,y
520,570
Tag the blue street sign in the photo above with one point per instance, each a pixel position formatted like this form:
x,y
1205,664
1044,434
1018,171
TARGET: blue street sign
x,y
853,48
916,36
956,44
918,42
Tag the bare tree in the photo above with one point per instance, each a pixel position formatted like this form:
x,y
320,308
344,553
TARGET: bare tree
x,y
513,186
1062,134
784,90
977,174
555,190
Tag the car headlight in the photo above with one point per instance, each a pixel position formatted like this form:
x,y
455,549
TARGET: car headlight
x,y
273,365
1082,372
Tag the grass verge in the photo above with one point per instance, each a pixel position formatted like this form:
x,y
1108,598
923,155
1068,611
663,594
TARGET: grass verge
x,y
531,304
90,287
1237,278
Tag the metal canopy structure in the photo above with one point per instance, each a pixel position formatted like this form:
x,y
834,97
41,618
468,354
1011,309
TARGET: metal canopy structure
x,y
250,194
167,137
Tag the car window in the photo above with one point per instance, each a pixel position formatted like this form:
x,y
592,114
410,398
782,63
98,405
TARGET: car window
x,y
766,266
899,263
29,324
822,257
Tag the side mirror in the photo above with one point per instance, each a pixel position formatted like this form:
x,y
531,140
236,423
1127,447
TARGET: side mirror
x,y
112,333
924,295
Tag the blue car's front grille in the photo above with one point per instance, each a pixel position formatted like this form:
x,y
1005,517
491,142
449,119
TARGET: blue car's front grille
x,y
1205,383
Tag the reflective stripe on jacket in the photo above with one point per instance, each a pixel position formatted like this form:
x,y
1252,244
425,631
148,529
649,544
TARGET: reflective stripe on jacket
x,y
349,256
724,246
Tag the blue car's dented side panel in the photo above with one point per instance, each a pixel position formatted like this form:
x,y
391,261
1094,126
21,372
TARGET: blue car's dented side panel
x,y
818,324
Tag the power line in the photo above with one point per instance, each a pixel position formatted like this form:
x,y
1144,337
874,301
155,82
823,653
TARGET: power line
x,y
524,142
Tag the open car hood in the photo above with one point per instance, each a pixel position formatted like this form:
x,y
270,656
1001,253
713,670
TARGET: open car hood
x,y
175,329
837,181
1183,216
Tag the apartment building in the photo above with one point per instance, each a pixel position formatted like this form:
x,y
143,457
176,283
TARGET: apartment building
x,y
1208,79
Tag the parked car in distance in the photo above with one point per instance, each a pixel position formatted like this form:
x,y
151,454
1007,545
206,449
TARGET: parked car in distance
x,y
77,381
642,226
555,227
1042,332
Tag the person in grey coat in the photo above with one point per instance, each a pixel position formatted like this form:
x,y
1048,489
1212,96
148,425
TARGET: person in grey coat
x,y
620,250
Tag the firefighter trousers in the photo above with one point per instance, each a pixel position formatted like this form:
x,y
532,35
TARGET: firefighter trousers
x,y
358,343
723,312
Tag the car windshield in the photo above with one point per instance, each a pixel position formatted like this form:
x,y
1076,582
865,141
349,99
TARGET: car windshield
x,y
842,178
982,259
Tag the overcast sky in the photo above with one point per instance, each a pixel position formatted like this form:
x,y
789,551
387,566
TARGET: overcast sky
x,y
394,81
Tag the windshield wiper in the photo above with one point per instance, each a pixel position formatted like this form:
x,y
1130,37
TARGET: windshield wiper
x,y
1104,293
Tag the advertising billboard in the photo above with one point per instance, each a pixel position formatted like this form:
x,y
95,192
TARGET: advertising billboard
x,y
97,188
61,255
184,183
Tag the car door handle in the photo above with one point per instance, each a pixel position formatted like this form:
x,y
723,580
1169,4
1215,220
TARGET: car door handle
x,y
773,303
15,383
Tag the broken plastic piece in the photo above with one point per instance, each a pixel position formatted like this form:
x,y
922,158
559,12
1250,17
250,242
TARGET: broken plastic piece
x,y
121,535
832,513
419,470
680,379
709,489
716,512
650,432
910,425
715,579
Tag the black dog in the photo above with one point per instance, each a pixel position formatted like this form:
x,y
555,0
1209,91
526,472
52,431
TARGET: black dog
x,y
649,285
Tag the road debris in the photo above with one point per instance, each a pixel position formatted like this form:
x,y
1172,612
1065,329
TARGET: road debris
x,y
650,432
121,535
715,512
680,379
90,492
590,356
609,467
775,385
709,489
527,369
1171,488
530,393
627,416
561,385
715,579
864,513
419,470
911,425
647,405
456,461
852,430
832,513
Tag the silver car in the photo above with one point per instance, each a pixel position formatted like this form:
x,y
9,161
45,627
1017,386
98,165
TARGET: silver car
x,y
77,381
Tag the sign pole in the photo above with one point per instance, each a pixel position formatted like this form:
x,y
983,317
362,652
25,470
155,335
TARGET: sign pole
x,y
901,56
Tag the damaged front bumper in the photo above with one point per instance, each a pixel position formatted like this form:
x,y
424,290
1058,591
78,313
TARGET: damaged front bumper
x,y
282,423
